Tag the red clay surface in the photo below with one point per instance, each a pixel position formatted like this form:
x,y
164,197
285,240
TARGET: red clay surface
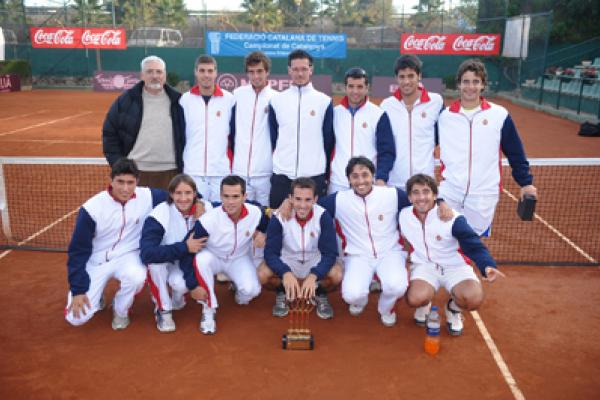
x,y
543,320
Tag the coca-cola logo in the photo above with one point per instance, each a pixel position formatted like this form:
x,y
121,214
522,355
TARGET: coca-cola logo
x,y
106,38
433,42
60,37
481,43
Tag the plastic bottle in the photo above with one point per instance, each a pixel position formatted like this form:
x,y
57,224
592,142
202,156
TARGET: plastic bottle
x,y
432,340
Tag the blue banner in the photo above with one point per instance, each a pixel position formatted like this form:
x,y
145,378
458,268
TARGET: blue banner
x,y
276,44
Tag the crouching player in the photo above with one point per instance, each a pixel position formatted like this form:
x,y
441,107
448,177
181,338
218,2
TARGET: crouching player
x,y
302,248
105,245
163,245
231,230
437,258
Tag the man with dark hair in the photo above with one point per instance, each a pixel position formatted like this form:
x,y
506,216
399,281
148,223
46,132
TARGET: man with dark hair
x,y
105,245
437,259
471,131
231,229
413,113
250,138
207,111
301,252
361,128
146,124
301,127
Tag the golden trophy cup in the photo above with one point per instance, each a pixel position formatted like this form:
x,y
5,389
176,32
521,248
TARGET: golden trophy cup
x,y
298,336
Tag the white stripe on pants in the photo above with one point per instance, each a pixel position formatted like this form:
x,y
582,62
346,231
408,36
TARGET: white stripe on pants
x,y
240,270
127,269
359,271
163,276
209,187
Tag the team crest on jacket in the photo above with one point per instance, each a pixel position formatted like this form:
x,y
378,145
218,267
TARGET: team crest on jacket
x,y
137,221
247,233
312,113
485,121
438,238
364,125
423,115
218,114
312,234
266,109
380,217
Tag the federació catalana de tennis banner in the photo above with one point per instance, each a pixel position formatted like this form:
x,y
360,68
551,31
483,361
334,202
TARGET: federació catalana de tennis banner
x,y
275,44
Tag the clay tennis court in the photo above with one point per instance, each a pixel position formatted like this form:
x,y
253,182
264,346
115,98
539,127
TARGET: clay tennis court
x,y
534,337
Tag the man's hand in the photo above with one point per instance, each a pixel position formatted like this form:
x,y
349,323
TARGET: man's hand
x,y
291,286
380,182
200,209
78,305
285,210
259,239
195,245
492,274
199,294
530,190
445,212
309,287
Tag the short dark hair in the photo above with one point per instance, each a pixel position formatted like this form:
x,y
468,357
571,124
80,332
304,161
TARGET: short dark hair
x,y
360,160
303,183
181,178
408,61
205,59
474,65
422,179
234,180
124,166
356,73
299,54
257,57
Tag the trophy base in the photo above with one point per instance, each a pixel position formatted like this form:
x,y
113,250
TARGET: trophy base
x,y
298,342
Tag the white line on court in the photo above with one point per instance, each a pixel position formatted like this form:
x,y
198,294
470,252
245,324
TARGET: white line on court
x,y
23,115
44,123
52,141
556,231
510,381
38,233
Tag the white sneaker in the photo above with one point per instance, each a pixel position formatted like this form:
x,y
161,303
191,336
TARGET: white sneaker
x,y
178,303
208,325
375,286
389,319
164,321
119,323
239,301
421,314
356,310
454,319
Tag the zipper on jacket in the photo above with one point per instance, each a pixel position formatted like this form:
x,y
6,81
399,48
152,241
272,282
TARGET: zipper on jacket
x,y
425,240
303,255
410,143
235,239
120,232
252,135
206,138
352,137
470,156
298,132
369,228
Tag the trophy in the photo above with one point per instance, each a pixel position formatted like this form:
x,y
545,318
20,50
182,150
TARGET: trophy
x,y
298,336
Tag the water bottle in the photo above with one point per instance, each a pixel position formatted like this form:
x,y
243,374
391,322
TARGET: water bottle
x,y
432,340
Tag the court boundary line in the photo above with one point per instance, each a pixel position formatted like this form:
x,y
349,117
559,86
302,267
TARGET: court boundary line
x,y
44,123
500,363
555,231
23,115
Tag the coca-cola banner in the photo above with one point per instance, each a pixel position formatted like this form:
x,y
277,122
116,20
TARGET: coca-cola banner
x,y
111,81
469,44
78,38
10,83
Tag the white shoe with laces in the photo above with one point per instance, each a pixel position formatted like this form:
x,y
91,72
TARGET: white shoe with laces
x,y
389,319
356,310
208,325
454,319
421,314
164,321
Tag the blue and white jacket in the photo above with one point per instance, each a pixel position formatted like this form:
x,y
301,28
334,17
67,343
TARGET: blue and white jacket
x,y
106,229
414,134
368,226
364,131
301,126
207,128
250,136
164,232
443,243
302,240
227,239
470,150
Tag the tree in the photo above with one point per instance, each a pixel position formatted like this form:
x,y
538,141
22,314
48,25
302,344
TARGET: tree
x,y
141,13
89,13
298,13
358,12
263,15
170,13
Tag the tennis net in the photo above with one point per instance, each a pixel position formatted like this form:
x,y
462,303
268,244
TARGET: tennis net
x,y
40,197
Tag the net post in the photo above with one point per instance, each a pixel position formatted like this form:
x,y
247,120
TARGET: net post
x,y
4,206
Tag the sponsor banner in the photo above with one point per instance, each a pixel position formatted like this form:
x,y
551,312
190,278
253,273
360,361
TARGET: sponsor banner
x,y
276,44
10,83
468,44
115,81
278,82
384,86
78,38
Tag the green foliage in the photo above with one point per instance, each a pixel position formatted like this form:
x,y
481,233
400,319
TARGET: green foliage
x,y
298,13
263,15
173,79
358,13
146,13
18,67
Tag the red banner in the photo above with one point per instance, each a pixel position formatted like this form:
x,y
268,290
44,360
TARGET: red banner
x,y
450,43
78,38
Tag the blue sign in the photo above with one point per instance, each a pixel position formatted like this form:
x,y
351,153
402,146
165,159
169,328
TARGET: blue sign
x,y
276,44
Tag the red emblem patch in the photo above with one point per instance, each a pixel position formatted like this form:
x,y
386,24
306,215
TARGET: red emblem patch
x,y
380,217
438,238
364,125
218,114
247,233
266,109
312,113
423,114
485,121
312,234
